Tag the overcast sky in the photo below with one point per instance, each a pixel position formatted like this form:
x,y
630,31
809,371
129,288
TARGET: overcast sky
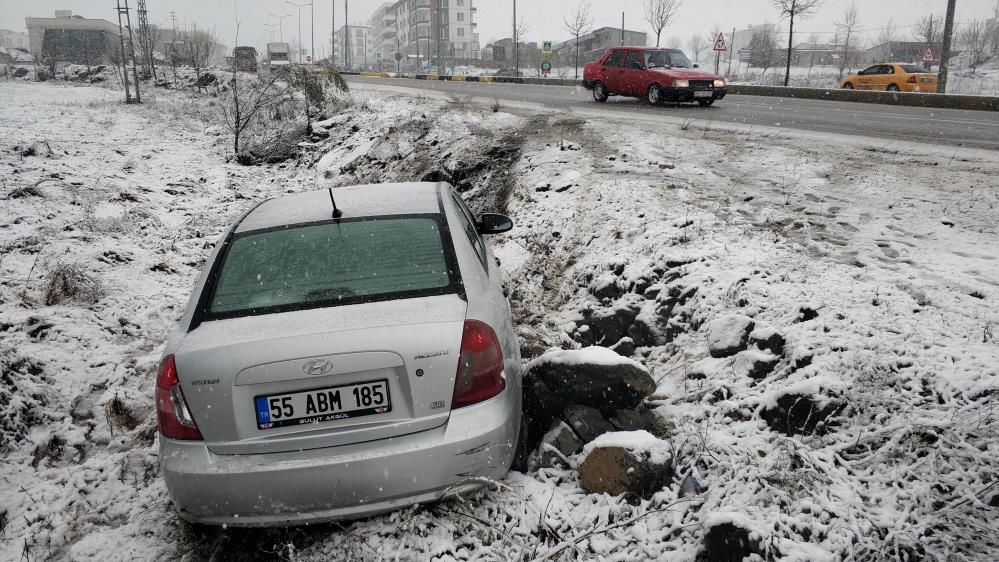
x,y
543,17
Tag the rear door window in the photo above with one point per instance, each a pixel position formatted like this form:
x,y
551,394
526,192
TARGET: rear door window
x,y
331,264
634,60
912,69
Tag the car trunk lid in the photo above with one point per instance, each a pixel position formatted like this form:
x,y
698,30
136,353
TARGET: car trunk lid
x,y
406,348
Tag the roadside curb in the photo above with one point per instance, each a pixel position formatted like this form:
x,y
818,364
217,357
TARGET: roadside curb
x,y
909,99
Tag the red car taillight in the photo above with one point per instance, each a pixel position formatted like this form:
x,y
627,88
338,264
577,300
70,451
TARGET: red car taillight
x,y
175,418
911,80
480,366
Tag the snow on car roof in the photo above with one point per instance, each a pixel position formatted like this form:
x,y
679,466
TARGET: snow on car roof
x,y
355,201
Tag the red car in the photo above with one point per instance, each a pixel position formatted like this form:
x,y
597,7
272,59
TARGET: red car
x,y
657,75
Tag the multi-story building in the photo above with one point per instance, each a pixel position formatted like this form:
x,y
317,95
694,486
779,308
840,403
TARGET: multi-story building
x,y
744,37
72,39
601,40
358,38
13,39
423,31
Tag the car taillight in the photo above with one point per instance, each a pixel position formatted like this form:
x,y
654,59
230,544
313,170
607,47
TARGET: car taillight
x,y
175,418
480,366
911,80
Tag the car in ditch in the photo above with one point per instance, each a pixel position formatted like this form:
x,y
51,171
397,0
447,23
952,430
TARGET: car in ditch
x,y
659,76
892,77
344,353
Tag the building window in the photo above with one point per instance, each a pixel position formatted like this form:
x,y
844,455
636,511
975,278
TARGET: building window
x,y
461,16
461,32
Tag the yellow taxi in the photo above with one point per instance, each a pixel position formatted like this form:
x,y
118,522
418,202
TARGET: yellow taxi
x,y
892,77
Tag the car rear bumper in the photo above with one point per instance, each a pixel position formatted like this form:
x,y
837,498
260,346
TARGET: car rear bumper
x,y
345,482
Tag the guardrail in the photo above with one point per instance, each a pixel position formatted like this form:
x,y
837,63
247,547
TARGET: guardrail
x,y
910,99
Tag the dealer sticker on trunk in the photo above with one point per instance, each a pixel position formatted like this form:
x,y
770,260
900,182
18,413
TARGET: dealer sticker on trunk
x,y
323,404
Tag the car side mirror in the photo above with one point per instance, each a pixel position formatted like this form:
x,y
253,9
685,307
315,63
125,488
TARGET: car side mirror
x,y
492,223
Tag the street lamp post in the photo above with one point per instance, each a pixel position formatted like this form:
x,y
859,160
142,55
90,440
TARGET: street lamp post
x,y
280,26
300,6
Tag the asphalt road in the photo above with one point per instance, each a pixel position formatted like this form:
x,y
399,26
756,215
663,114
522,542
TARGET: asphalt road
x,y
954,127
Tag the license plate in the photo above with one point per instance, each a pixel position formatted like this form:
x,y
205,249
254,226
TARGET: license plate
x,y
323,404
703,94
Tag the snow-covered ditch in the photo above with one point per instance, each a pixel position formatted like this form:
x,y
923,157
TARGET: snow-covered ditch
x,y
861,274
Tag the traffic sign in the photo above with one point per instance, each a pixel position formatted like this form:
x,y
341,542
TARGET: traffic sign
x,y
398,57
928,55
308,59
546,47
720,43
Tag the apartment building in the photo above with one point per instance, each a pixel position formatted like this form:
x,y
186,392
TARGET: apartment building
x,y
360,54
415,28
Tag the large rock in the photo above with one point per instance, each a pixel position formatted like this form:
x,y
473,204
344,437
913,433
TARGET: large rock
x,y
594,376
796,414
587,422
768,339
556,446
631,463
609,325
636,419
756,364
728,540
729,335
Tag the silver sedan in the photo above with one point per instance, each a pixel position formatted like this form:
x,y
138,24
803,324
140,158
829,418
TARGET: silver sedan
x,y
345,353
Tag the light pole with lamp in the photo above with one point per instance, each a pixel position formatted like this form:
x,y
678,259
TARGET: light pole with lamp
x,y
313,19
279,24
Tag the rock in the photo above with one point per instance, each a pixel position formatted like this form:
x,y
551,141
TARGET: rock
x,y
729,335
206,79
559,443
625,347
606,286
796,414
542,407
756,364
609,325
593,376
768,339
633,463
653,292
639,418
83,409
542,187
587,422
643,331
806,313
728,542
640,286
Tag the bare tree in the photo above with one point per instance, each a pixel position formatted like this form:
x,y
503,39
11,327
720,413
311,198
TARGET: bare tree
x,y
520,31
200,46
848,27
889,34
674,42
813,40
696,45
660,13
147,35
927,29
578,22
792,9
975,38
763,48
994,32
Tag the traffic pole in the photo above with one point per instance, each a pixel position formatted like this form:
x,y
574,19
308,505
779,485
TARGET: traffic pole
x,y
945,49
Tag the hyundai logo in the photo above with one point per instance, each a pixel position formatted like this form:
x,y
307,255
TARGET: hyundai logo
x,y
317,367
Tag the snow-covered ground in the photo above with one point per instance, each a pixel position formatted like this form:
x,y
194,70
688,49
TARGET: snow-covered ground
x,y
876,262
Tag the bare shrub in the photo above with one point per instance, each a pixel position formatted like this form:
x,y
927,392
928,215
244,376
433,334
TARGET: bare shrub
x,y
25,191
119,416
70,283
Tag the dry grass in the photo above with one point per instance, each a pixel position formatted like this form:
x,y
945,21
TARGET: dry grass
x,y
70,283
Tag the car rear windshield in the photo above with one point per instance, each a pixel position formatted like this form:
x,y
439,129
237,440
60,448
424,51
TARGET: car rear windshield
x,y
662,59
331,264
912,69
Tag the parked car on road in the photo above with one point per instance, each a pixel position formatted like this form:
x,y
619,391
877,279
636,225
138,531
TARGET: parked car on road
x,y
892,77
657,75
338,360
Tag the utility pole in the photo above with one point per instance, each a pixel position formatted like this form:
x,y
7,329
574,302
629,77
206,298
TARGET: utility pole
x,y
280,25
312,20
124,11
731,50
173,45
945,49
622,28
300,49
346,36
333,33
441,31
516,43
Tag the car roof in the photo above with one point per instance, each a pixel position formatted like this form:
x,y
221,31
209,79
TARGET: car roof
x,y
355,201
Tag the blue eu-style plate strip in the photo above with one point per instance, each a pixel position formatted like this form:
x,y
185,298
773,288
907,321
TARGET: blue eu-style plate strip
x,y
263,412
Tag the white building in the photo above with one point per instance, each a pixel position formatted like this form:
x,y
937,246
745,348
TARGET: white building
x,y
744,37
361,50
412,28
13,39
